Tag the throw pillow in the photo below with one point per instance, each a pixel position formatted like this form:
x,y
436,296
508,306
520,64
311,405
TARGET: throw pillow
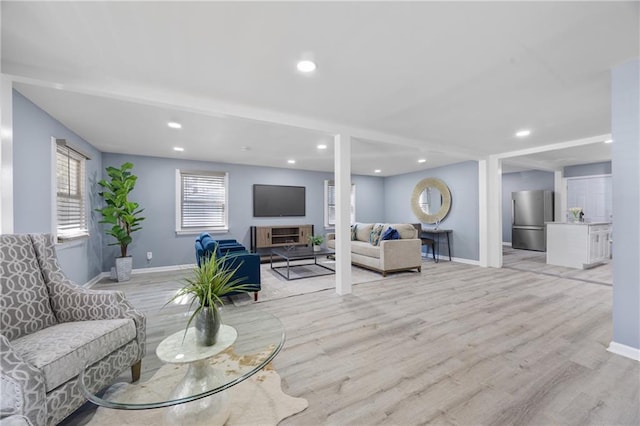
x,y
391,234
354,232
374,236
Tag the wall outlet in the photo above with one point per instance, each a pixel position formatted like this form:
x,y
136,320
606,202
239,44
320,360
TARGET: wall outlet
x,y
149,255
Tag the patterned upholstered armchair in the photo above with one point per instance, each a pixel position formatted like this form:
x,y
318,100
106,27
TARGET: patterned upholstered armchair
x,y
52,329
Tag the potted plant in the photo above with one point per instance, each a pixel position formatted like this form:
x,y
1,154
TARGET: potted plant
x,y
123,215
315,241
210,281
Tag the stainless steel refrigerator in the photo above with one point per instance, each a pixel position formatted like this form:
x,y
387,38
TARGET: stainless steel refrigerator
x,y
529,212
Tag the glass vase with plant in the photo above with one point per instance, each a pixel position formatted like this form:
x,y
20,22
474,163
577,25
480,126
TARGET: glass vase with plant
x,y
575,211
207,284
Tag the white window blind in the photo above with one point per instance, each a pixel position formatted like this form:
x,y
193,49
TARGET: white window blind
x,y
330,204
71,213
203,201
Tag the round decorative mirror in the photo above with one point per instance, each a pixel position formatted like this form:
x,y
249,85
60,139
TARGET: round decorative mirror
x,y
431,200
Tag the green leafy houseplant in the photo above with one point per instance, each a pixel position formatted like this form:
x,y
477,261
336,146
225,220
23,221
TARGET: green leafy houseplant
x,y
316,240
122,214
210,281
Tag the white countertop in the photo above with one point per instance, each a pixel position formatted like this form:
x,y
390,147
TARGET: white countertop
x,y
578,223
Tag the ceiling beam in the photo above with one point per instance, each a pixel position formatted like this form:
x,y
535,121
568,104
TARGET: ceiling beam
x,y
220,109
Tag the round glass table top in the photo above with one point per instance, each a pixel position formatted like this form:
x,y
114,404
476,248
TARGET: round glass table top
x,y
251,339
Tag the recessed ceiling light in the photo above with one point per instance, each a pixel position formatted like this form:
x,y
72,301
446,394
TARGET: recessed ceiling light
x,y
245,148
422,160
608,141
178,148
377,171
523,133
291,161
174,125
306,66
322,146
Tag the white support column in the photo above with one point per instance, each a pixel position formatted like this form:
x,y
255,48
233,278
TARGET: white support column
x,y
560,201
482,213
490,211
6,155
342,170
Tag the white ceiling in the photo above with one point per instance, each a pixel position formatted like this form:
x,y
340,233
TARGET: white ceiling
x,y
445,81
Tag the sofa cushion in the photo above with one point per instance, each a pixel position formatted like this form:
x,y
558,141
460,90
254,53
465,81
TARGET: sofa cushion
x,y
61,351
376,232
390,234
24,300
365,249
363,230
406,230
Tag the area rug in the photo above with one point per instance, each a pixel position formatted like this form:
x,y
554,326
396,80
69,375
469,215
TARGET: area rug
x,y
274,286
258,400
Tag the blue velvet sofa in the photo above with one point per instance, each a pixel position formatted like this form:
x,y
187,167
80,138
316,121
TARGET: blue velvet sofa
x,y
249,263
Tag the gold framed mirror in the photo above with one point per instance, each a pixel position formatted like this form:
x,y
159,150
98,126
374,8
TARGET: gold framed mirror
x,y
431,200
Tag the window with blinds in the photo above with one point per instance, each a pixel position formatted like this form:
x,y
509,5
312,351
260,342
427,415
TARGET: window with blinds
x,y
71,209
330,204
202,203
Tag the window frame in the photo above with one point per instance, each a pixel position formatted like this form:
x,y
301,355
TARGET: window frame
x,y
182,230
330,183
58,146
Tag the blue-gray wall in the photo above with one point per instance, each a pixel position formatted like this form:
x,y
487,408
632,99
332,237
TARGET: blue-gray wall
x,y
32,180
521,181
155,192
377,199
592,169
626,203
462,180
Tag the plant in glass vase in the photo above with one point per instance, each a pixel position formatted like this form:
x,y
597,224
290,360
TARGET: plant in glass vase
x,y
575,211
213,279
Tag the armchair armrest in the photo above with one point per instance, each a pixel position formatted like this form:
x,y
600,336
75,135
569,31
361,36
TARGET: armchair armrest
x,y
331,236
22,387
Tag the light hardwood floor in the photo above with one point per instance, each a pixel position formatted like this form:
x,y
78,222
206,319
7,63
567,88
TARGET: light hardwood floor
x,y
455,344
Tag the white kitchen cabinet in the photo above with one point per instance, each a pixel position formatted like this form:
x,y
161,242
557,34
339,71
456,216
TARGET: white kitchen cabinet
x,y
577,245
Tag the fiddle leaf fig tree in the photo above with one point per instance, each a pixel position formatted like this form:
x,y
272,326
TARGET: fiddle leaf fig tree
x,y
122,214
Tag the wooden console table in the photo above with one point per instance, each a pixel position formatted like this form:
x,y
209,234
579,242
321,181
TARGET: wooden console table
x,y
264,238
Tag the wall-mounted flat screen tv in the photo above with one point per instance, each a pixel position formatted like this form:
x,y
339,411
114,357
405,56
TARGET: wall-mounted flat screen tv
x,y
278,200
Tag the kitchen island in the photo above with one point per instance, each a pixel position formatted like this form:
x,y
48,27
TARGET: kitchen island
x,y
578,245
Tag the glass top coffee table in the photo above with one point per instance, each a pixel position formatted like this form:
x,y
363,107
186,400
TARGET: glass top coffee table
x,y
301,253
183,372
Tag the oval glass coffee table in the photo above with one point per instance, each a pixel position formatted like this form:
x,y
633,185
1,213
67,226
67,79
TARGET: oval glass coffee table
x,y
182,372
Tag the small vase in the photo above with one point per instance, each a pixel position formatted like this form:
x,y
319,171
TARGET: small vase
x,y
317,248
207,326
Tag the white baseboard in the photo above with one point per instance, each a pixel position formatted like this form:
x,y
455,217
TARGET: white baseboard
x,y
466,261
93,281
453,259
624,350
505,243
162,269
102,275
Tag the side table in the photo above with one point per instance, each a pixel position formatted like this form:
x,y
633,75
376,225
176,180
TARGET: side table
x,y
435,235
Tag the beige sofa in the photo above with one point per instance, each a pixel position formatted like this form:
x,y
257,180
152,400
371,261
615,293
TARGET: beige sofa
x,y
390,255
